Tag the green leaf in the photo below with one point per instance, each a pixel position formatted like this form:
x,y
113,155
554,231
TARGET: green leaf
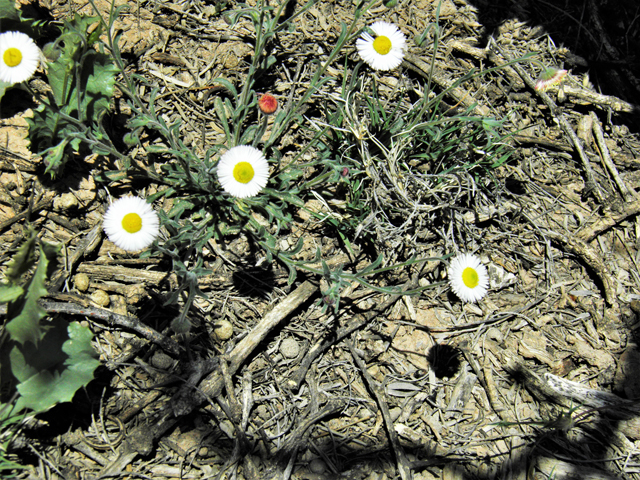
x,y
64,362
51,252
3,88
23,259
98,80
372,266
222,116
61,72
226,84
82,82
8,293
325,270
55,157
292,274
111,176
297,248
269,62
249,134
49,136
8,10
25,312
285,196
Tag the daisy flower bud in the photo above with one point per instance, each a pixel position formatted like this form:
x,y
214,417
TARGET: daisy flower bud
x,y
19,57
468,277
549,78
131,223
267,103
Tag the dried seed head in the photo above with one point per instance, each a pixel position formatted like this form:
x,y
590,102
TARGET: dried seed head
x,y
267,103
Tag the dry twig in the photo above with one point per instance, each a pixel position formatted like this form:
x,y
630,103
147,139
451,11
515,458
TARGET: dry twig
x,y
404,466
592,185
602,224
606,158
141,440
593,259
111,318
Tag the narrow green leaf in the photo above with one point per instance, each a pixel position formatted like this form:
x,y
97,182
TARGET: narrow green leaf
x,y
285,196
297,248
222,116
226,84
372,266
293,273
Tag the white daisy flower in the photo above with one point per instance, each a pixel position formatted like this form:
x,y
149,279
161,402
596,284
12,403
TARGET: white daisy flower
x,y
131,223
468,277
243,171
386,50
19,57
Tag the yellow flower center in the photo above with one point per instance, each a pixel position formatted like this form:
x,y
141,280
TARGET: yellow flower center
x,y
382,45
243,172
132,223
12,57
470,277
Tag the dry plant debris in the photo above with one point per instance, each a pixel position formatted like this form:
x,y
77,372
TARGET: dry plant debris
x,y
535,381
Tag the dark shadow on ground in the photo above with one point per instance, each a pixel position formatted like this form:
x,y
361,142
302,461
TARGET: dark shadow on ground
x,y
603,36
254,281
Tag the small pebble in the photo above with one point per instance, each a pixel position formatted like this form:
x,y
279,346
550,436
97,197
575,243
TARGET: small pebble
x,y
135,294
100,297
317,466
263,412
68,201
161,360
290,348
81,281
395,413
223,329
118,304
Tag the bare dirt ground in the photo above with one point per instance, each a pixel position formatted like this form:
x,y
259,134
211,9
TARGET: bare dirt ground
x,y
536,381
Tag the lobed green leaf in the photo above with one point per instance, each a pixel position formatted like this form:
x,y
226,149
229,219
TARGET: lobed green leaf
x,y
25,312
53,372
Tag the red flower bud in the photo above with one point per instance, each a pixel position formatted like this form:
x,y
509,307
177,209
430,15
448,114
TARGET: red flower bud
x,y
267,103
